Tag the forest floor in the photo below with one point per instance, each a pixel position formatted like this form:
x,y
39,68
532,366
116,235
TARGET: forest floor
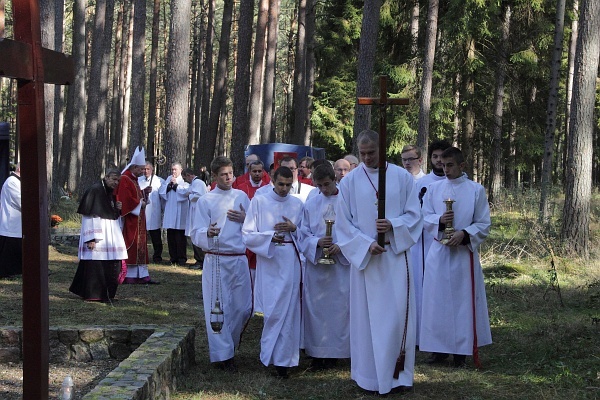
x,y
544,312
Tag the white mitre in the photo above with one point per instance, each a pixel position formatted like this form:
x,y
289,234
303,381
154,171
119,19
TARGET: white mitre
x,y
139,158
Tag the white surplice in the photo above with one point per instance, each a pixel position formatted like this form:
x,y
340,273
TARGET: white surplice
x,y
379,283
156,204
420,249
277,286
447,319
176,204
235,292
326,288
108,236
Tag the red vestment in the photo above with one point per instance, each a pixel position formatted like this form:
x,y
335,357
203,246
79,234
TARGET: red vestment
x,y
240,180
134,226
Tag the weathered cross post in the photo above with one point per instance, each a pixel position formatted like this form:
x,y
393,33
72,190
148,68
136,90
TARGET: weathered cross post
x,y
24,59
383,101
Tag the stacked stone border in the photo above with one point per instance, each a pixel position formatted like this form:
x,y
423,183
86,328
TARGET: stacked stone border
x,y
153,357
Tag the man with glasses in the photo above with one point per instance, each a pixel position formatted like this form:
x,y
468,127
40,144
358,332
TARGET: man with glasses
x,y
299,189
305,170
412,160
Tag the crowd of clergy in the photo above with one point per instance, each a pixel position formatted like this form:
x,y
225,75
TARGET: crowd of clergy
x,y
296,243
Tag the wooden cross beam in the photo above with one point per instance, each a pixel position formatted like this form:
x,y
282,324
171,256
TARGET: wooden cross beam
x,y
382,101
24,59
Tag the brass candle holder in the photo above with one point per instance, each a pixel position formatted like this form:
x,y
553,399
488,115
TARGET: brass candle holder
x,y
329,218
449,230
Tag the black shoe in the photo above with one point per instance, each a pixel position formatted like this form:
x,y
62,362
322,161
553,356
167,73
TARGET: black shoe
x,y
157,260
151,282
229,366
400,389
460,361
282,372
329,363
317,364
437,358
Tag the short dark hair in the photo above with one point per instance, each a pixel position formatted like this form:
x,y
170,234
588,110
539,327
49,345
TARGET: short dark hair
x,y
218,163
288,159
257,162
110,171
320,161
368,136
437,145
309,161
323,171
284,172
187,171
455,153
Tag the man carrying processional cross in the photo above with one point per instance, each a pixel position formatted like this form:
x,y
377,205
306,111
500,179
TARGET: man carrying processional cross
x,y
382,302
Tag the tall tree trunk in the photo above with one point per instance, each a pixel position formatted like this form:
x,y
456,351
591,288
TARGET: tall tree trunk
x,y
496,164
193,93
208,79
96,107
200,84
177,85
559,24
299,106
427,79
575,232
311,26
208,149
569,90
77,94
414,37
469,121
59,8
151,152
260,45
267,129
138,79
366,65
241,94
128,54
47,20
119,62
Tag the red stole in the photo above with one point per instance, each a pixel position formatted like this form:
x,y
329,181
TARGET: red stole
x,y
134,226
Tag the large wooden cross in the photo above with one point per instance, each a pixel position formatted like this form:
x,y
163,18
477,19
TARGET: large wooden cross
x,y
24,59
382,101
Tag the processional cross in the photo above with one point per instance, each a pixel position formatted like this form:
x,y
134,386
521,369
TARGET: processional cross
x,y
25,60
382,101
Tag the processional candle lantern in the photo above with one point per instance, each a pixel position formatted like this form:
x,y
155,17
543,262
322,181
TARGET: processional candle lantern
x,y
329,217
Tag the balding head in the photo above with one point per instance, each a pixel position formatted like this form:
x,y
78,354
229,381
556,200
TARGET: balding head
x,y
341,168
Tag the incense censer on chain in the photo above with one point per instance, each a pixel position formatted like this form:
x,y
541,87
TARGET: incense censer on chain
x,y
329,217
216,313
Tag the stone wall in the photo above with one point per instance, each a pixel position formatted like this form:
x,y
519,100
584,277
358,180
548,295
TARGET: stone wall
x,y
154,357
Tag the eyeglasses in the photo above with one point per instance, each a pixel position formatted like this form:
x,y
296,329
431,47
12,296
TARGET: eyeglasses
x,y
411,159
304,167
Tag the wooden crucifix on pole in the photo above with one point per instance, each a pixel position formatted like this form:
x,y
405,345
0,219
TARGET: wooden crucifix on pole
x,y
25,60
382,101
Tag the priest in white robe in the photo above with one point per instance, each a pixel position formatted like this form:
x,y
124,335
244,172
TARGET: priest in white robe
x,y
450,300
150,183
326,288
270,231
175,194
217,229
382,302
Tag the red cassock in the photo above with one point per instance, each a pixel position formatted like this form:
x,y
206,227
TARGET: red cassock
x,y
242,179
134,226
